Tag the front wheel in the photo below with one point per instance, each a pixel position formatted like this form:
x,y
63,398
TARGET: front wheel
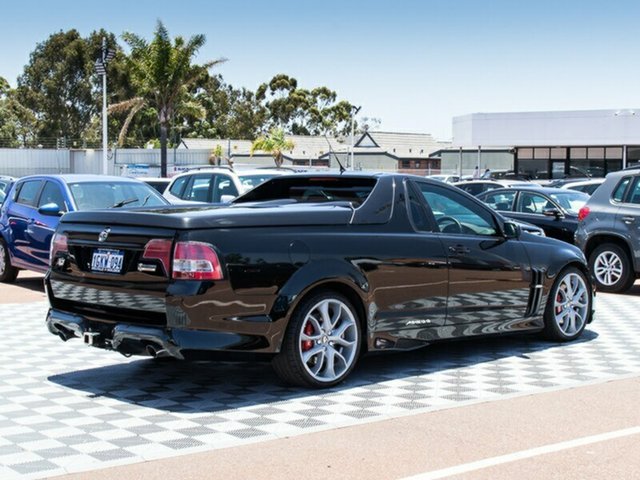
x,y
322,342
8,273
568,306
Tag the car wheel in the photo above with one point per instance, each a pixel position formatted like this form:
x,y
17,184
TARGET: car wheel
x,y
8,273
568,306
322,342
611,268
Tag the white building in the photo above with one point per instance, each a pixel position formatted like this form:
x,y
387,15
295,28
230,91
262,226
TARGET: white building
x,y
556,144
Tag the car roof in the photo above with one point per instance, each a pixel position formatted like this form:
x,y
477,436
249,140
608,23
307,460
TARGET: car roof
x,y
533,189
81,178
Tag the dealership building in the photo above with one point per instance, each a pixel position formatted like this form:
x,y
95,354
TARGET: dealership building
x,y
547,144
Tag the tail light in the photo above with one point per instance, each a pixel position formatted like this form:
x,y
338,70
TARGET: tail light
x,y
58,245
196,261
159,249
583,213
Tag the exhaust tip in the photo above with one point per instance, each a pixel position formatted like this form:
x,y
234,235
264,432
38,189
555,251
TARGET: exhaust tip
x,y
152,351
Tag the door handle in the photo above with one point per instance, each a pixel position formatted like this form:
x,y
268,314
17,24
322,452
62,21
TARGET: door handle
x,y
459,249
628,220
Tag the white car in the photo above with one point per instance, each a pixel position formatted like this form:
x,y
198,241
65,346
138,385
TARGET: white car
x,y
586,186
444,178
216,184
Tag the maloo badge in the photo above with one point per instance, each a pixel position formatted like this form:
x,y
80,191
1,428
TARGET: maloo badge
x,y
104,235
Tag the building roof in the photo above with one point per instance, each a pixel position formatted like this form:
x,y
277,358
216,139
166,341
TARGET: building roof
x,y
401,145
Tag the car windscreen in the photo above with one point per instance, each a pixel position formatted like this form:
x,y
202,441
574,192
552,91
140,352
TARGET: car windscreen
x,y
97,195
318,189
572,202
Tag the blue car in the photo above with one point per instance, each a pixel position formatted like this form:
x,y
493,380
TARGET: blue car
x,y
34,204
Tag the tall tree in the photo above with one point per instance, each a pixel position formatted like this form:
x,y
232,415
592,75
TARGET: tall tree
x,y
18,125
59,84
162,74
274,143
303,112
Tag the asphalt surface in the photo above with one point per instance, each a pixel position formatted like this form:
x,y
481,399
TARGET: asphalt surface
x,y
501,408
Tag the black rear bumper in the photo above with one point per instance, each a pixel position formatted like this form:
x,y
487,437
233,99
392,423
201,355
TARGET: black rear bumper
x,y
131,339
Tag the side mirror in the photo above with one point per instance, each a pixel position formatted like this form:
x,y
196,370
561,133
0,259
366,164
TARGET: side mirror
x,y
227,198
50,209
553,212
511,229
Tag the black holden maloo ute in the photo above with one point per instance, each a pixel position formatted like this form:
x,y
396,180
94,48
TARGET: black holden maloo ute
x,y
313,270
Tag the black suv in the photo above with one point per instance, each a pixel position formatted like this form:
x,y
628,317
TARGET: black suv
x,y
609,231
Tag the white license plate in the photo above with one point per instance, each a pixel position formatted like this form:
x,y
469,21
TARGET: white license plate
x,y
107,261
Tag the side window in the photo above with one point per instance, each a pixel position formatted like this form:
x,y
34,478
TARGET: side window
x,y
455,213
178,186
417,212
532,203
501,201
28,194
51,193
198,189
223,186
618,193
634,194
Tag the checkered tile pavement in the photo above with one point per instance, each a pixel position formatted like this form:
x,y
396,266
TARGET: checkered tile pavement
x,y
65,407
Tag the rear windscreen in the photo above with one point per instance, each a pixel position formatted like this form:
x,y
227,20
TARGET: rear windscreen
x,y
312,190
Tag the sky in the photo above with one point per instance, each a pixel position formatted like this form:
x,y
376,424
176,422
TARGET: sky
x,y
412,64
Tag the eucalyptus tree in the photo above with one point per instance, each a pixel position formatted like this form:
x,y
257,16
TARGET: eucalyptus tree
x,y
162,74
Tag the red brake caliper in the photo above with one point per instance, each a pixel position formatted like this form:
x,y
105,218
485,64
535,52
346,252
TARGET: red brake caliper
x,y
307,344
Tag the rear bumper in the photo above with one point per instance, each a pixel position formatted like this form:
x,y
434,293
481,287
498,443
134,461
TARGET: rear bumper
x,y
149,341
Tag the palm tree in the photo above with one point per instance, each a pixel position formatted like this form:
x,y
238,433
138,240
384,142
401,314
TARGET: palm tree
x,y
274,143
161,74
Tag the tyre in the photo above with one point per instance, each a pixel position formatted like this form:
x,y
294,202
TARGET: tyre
x,y
611,268
568,306
322,342
8,273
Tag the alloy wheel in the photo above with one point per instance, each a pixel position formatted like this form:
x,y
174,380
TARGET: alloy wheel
x,y
3,256
328,340
571,304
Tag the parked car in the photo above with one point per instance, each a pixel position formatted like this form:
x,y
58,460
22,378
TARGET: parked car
x,y
35,203
553,209
311,270
5,183
159,183
476,187
445,178
216,184
609,231
584,186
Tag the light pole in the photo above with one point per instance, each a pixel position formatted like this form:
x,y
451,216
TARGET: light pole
x,y
354,112
101,69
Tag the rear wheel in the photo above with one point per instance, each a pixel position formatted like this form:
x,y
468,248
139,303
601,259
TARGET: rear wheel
x,y
568,306
8,273
322,342
611,268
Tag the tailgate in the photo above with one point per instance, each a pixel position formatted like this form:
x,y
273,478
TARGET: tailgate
x,y
111,272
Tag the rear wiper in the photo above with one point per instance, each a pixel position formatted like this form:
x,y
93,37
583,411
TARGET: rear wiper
x,y
124,202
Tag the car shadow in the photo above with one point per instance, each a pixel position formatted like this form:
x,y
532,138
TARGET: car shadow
x,y
30,282
209,387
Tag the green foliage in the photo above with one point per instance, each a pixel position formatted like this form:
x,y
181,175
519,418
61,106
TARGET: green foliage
x,y
155,93
162,75
303,112
275,143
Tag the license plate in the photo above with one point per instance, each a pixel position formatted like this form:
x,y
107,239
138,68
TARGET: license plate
x,y
107,261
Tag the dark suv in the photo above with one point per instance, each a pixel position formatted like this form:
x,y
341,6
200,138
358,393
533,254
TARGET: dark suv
x,y
609,231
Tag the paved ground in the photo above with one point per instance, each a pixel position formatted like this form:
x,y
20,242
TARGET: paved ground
x,y
67,408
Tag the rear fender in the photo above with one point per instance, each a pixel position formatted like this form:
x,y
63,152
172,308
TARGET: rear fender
x,y
312,276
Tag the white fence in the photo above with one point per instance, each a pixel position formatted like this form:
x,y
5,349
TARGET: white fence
x,y
144,162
